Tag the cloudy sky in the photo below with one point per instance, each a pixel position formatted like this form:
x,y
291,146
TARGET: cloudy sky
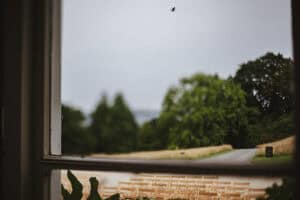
x,y
141,48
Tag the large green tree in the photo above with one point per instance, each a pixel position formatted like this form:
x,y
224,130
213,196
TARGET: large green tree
x,y
267,83
205,110
75,137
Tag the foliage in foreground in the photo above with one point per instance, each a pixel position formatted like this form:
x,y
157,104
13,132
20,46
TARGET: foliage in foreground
x,y
77,187
283,192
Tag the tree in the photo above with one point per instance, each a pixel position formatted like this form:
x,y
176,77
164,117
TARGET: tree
x,y
153,135
114,126
124,128
148,138
269,130
267,83
204,110
75,138
100,123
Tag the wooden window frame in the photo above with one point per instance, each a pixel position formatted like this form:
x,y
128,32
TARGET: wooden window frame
x,y
40,32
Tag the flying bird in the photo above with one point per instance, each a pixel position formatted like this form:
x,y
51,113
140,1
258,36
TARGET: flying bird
x,y
173,9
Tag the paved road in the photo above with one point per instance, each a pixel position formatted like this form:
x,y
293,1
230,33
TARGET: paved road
x,y
238,156
234,157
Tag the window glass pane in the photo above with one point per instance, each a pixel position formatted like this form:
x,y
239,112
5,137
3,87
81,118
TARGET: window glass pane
x,y
182,80
170,186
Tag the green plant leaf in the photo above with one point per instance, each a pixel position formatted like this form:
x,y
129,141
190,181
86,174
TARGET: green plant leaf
x,y
94,195
114,197
76,193
65,193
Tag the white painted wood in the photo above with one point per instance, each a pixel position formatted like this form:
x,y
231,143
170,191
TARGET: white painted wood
x,y
55,181
55,96
55,82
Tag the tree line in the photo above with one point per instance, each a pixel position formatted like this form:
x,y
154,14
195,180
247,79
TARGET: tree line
x,y
253,106
112,128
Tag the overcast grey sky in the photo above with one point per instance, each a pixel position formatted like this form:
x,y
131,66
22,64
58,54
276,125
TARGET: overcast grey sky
x,y
141,48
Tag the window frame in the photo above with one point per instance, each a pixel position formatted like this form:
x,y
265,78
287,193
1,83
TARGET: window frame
x,y
47,48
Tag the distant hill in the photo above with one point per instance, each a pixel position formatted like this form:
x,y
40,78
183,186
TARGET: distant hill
x,y
142,116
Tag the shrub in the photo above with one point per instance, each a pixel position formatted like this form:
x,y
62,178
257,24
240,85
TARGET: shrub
x,y
77,187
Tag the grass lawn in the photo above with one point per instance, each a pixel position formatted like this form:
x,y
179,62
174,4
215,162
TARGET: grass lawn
x,y
180,154
276,159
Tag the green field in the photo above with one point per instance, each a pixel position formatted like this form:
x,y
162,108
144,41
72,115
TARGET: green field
x,y
277,159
